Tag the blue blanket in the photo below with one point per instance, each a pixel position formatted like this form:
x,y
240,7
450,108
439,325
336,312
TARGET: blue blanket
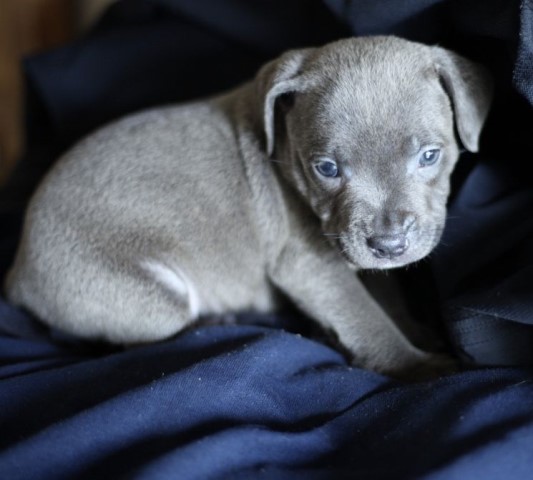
x,y
266,398
247,402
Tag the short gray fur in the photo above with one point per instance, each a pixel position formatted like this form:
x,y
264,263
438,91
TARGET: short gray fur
x,y
212,207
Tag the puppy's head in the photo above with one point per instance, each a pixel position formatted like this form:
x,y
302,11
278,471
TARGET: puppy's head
x,y
365,130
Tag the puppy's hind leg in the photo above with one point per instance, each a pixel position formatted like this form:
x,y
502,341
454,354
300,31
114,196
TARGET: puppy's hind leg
x,y
168,302
149,302
176,282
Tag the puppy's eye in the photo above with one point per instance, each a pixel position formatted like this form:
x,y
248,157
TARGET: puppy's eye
x,y
327,168
429,157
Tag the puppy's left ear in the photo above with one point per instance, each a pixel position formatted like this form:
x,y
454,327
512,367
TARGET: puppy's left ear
x,y
278,77
470,89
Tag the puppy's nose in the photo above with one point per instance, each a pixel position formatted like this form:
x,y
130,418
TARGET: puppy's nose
x,y
388,246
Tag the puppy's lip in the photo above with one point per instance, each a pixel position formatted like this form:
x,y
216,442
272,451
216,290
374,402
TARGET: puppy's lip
x,y
354,251
386,263
374,263
368,261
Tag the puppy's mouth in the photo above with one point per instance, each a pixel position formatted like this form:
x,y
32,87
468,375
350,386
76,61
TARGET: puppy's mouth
x,y
387,253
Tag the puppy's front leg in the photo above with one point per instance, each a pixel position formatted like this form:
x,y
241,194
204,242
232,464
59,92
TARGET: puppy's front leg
x,y
318,280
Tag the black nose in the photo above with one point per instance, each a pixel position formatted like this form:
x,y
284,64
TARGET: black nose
x,y
387,246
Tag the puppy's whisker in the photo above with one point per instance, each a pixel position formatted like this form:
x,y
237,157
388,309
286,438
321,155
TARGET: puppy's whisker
x,y
345,250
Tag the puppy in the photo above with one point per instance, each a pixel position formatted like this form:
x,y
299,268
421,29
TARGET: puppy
x,y
333,159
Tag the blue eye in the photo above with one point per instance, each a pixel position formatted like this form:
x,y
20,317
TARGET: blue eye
x,y
327,168
429,157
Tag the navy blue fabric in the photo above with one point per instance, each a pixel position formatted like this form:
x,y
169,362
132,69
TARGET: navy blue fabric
x,y
247,402
258,399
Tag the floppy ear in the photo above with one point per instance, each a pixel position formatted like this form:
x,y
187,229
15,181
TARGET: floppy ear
x,y
276,78
470,89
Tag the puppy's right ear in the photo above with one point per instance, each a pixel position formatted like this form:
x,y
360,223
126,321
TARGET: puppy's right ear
x,y
276,78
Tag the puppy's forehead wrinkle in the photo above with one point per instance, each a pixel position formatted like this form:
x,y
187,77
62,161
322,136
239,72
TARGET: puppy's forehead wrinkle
x,y
374,105
364,82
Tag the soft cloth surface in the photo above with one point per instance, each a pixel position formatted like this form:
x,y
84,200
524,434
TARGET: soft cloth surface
x,y
258,400
248,402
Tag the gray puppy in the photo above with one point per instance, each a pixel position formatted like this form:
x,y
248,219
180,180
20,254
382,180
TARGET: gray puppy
x,y
333,159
